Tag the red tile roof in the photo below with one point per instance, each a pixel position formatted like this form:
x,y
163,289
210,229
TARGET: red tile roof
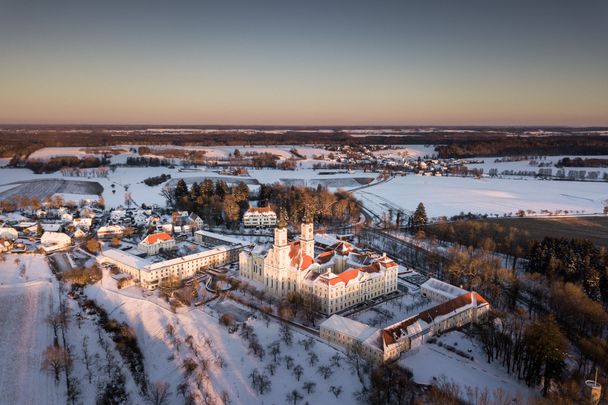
x,y
344,277
157,237
430,314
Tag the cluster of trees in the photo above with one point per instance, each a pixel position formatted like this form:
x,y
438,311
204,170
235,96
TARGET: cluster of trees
x,y
574,260
324,207
516,145
81,276
59,162
156,180
147,161
579,162
489,236
216,203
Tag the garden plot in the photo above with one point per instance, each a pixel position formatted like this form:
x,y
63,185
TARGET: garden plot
x,y
448,196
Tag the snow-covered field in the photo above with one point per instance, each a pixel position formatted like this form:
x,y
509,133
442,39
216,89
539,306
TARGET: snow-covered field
x,y
132,178
407,151
150,317
524,165
430,361
452,195
26,296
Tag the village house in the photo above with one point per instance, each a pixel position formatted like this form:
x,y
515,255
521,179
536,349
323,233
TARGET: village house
x,y
53,241
259,218
110,231
156,242
8,233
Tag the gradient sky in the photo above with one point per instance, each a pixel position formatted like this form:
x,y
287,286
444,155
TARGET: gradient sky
x,y
494,62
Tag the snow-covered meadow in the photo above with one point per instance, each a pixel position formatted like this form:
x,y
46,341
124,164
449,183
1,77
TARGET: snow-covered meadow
x,y
26,298
448,196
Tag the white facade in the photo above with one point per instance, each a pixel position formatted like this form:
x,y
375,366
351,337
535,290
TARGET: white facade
x,y
154,243
260,217
337,279
151,274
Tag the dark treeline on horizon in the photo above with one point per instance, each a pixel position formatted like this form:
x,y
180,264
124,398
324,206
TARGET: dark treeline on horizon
x,y
21,141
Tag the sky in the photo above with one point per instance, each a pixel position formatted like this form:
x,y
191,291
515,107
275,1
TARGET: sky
x,y
356,62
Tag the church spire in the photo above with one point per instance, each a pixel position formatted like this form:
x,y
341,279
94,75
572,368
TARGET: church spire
x,y
282,223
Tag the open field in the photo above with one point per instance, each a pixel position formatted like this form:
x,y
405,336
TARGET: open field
x,y
26,295
448,196
43,188
594,228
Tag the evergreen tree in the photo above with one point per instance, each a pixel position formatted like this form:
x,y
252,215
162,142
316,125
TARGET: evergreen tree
x,y
195,191
181,189
419,219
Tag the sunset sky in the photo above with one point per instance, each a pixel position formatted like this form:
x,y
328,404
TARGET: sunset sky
x,y
529,62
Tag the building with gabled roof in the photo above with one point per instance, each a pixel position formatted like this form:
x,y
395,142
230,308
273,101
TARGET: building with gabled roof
x,y
155,242
383,345
338,278
262,217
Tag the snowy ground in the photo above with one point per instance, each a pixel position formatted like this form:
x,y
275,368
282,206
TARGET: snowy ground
x,y
452,195
524,165
394,310
430,361
149,317
26,297
407,151
132,178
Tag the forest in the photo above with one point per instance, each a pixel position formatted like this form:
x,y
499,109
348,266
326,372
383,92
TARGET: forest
x,y
219,204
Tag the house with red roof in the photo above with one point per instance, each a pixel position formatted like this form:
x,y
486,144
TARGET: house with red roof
x,y
155,242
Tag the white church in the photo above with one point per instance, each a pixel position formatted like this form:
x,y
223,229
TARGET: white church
x,y
338,278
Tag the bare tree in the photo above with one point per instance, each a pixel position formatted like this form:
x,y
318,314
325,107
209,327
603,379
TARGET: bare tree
x,y
159,393
55,359
298,371
309,387
336,390
293,397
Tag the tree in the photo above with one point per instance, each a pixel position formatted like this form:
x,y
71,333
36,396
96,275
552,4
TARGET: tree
x,y
545,350
298,370
325,371
55,359
181,190
159,393
309,387
293,397
336,390
419,219
93,245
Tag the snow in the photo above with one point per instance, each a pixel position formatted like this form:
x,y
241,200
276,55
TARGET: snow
x,y
429,362
452,195
26,299
150,316
353,329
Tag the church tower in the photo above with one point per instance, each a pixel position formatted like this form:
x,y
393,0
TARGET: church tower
x,y
281,247
307,238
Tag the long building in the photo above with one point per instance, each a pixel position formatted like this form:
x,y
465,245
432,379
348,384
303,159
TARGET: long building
x,y
383,345
151,271
337,279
